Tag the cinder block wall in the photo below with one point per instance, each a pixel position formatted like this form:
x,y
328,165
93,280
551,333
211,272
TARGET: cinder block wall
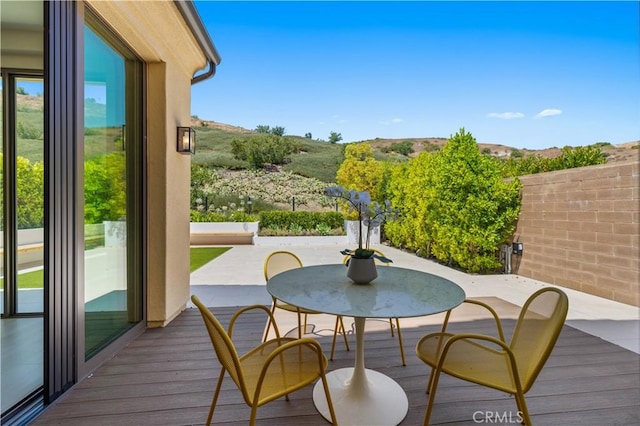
x,y
581,230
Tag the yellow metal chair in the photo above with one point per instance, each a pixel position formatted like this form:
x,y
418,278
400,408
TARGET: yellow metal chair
x,y
280,261
509,367
270,370
391,325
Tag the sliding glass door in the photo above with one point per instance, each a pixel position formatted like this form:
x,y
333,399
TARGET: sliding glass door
x,y
112,188
22,268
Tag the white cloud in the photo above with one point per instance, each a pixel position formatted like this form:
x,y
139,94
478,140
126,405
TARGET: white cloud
x,y
392,121
548,113
505,115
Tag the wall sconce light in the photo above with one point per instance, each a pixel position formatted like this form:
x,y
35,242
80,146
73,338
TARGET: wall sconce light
x,y
186,140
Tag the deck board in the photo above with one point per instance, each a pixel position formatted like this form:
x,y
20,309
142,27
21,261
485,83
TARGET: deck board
x,y
167,377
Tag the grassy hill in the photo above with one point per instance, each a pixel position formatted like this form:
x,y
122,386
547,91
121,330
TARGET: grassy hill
x,y
316,159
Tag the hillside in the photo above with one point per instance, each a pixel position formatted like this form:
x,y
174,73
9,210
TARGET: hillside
x,y
621,152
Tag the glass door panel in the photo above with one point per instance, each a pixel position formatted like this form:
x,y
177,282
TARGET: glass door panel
x,y
22,281
2,282
30,194
111,291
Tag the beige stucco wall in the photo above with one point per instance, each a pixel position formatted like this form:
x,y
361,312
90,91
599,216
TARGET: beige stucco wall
x,y
581,230
158,34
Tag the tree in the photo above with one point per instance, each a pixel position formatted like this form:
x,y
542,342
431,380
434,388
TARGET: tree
x,y
105,188
277,130
335,137
360,171
262,128
405,148
410,190
472,210
263,149
308,135
29,193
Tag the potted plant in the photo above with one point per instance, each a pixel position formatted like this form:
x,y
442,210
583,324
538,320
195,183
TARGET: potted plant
x,y
361,264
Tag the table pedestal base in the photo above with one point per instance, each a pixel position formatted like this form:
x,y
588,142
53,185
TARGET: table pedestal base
x,y
377,401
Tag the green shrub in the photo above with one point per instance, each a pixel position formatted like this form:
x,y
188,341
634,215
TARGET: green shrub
x,y
264,149
431,147
29,193
569,158
104,188
404,148
454,205
323,229
236,216
516,153
29,131
300,220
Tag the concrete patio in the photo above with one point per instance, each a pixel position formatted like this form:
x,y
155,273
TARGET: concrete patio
x,y
236,278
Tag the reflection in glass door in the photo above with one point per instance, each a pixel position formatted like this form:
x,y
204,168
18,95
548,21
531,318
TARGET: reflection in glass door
x,y
22,273
30,194
112,283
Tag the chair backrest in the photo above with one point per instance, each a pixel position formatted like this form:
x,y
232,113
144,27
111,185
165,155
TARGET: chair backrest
x,y
223,346
376,260
537,331
280,261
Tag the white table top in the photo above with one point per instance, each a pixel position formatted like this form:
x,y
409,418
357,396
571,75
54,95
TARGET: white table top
x,y
395,293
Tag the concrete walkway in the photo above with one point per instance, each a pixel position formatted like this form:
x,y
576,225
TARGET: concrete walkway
x,y
236,278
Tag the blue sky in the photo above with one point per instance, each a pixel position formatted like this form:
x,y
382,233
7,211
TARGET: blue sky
x,y
524,74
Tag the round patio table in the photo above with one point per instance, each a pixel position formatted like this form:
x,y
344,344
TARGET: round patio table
x,y
363,396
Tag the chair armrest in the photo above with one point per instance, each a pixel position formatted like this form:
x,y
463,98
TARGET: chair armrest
x,y
482,337
484,305
304,341
249,308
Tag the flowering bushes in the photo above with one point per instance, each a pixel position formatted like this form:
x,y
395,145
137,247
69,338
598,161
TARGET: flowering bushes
x,y
270,188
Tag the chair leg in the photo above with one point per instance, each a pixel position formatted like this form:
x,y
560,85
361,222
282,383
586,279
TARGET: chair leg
x,y
400,342
339,326
430,381
336,330
299,325
266,333
325,385
522,407
433,384
215,397
254,411
344,333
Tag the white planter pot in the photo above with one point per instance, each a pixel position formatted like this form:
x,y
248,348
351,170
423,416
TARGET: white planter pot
x,y
213,227
353,231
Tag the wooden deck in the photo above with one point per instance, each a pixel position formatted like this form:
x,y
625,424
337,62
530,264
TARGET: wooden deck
x,y
167,377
